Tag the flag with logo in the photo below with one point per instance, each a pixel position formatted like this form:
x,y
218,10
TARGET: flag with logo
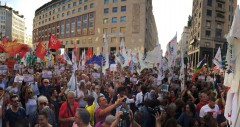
x,y
54,43
171,55
40,49
66,57
218,59
199,68
123,53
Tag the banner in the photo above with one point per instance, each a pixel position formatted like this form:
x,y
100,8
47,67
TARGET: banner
x,y
96,75
46,74
28,78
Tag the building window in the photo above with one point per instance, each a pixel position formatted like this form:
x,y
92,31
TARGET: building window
x,y
79,24
106,1
114,39
114,20
85,18
123,0
208,24
53,11
59,9
63,8
73,27
115,1
62,14
209,12
123,19
123,9
122,29
209,2
74,4
67,28
80,1
106,10
105,30
69,5
79,9
85,0
92,5
68,13
105,20
208,33
114,30
57,15
62,28
73,11
218,33
85,7
114,9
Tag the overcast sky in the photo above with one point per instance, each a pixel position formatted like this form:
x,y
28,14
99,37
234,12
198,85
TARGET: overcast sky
x,y
170,15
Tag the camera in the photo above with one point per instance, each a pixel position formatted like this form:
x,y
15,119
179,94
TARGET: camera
x,y
156,109
125,114
125,118
124,100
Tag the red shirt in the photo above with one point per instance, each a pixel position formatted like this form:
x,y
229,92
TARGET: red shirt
x,y
200,105
64,112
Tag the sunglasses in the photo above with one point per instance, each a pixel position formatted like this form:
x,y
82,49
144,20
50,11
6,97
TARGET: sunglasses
x,y
15,101
43,103
45,82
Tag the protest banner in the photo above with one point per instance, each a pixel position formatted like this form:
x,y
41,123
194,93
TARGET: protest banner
x,y
46,74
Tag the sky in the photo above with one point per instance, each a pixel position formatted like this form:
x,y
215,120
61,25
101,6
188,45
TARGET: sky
x,y
170,15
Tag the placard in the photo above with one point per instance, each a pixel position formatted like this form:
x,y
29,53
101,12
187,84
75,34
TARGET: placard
x,y
56,67
165,87
3,67
30,71
25,77
17,67
96,75
113,67
46,74
57,72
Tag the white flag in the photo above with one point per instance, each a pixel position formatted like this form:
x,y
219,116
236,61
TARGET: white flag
x,y
218,59
106,55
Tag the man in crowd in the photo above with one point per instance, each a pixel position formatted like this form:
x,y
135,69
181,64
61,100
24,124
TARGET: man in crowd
x,y
14,113
82,118
104,108
210,108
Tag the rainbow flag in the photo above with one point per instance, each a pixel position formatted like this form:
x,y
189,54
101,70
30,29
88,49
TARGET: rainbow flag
x,y
199,68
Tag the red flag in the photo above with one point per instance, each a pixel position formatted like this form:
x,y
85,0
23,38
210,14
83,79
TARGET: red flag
x,y
4,39
23,52
14,47
40,49
89,54
54,43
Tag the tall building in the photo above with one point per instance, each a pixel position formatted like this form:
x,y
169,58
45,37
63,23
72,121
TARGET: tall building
x,y
28,39
12,24
183,46
211,21
84,22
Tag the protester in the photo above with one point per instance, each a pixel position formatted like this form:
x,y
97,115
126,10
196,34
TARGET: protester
x,y
43,106
82,118
67,110
43,120
15,113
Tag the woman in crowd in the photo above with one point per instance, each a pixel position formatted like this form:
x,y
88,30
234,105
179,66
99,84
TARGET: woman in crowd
x,y
185,117
43,120
31,103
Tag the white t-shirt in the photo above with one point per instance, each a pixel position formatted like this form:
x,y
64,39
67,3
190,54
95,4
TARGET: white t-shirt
x,y
205,109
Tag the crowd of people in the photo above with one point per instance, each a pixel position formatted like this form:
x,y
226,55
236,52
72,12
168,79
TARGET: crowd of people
x,y
115,99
